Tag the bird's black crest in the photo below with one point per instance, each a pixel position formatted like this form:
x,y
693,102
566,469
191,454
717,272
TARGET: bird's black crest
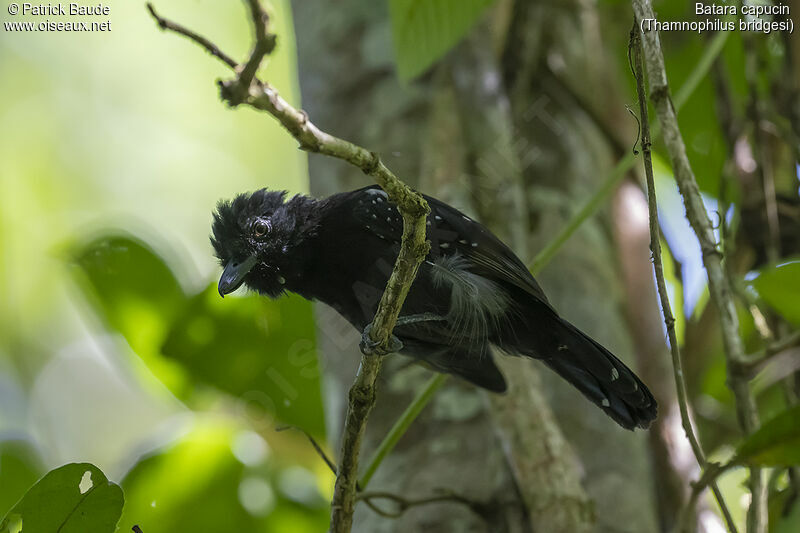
x,y
232,217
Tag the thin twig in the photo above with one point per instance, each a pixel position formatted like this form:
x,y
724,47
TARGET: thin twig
x,y
314,443
210,47
708,479
264,45
251,91
635,54
484,510
755,362
719,285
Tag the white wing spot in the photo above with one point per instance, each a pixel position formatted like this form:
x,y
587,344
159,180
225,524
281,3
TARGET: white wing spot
x,y
462,241
444,245
437,217
562,347
389,220
474,245
466,218
378,192
375,216
614,374
605,403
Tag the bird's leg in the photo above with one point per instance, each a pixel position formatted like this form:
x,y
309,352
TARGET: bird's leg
x,y
422,317
370,347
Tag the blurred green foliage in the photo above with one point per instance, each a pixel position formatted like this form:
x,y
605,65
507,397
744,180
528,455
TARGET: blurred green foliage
x,y
776,443
779,287
218,476
20,467
425,30
139,367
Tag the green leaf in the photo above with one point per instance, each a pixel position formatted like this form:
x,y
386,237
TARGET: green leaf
x,y
260,350
424,30
74,498
136,293
779,287
776,443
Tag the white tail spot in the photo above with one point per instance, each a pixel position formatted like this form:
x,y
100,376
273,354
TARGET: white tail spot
x,y
605,403
614,374
86,482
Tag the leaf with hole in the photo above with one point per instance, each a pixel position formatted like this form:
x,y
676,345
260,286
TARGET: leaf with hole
x,y
74,498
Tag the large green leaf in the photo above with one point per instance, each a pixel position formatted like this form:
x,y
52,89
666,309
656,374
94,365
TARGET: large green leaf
x,y
74,498
262,351
424,30
135,290
779,286
136,293
259,350
776,443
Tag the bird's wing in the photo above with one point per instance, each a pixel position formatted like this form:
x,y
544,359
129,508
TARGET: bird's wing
x,y
450,232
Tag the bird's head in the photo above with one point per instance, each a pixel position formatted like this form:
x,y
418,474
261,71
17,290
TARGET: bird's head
x,y
253,236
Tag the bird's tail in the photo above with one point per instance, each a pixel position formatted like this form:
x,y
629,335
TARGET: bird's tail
x,y
596,372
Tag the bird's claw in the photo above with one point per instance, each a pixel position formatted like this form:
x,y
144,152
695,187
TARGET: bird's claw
x,y
370,347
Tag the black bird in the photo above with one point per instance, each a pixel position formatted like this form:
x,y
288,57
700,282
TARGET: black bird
x,y
471,291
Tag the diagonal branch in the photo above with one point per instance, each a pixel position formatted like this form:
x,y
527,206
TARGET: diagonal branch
x,y
247,89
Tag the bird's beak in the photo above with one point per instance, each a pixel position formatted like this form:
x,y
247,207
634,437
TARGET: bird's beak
x,y
233,275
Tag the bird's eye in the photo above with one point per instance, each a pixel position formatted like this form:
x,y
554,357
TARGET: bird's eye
x,y
261,227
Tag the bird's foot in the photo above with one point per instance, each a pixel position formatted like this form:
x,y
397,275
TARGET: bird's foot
x,y
370,347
